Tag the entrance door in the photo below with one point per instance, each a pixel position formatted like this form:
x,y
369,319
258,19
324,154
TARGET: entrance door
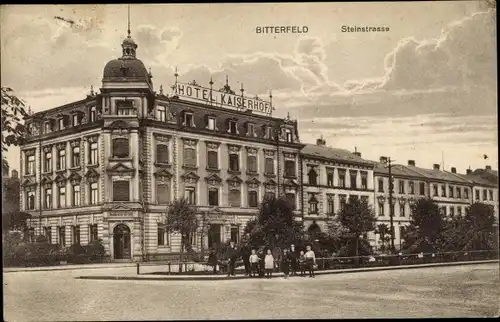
x,y
121,242
214,235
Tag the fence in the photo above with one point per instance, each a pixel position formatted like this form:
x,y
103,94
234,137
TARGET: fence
x,y
332,263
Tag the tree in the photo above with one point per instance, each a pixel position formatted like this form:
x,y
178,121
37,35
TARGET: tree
x,y
13,113
181,219
275,225
478,227
428,223
356,219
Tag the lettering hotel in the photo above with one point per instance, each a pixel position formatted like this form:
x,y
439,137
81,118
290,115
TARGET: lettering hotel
x,y
106,167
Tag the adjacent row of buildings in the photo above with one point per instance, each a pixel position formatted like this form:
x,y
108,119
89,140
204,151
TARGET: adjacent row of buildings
x,y
107,166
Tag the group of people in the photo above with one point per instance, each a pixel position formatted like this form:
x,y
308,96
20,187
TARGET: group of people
x,y
260,263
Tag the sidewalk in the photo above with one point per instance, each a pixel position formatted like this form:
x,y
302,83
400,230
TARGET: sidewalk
x,y
67,267
147,277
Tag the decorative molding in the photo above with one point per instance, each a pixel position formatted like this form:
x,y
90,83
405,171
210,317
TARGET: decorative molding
x,y
213,180
289,155
232,148
189,142
212,145
75,143
269,153
162,137
47,148
162,173
61,146
251,150
29,152
93,138
190,177
120,168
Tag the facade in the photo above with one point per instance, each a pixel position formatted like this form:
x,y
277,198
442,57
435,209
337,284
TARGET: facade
x,y
331,178
107,166
453,192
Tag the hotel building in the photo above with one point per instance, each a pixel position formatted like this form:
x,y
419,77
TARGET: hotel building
x,y
107,166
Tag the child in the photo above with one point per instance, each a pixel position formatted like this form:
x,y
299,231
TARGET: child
x,y
269,263
254,264
302,263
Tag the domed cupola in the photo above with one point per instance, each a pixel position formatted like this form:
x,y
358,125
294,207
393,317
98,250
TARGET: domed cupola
x,y
127,68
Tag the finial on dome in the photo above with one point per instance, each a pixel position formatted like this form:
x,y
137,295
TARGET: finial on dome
x,y
128,30
91,90
161,89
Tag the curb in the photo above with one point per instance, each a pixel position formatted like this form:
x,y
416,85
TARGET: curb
x,y
280,274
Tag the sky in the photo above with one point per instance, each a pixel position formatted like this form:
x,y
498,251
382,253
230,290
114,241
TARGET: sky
x,y
425,90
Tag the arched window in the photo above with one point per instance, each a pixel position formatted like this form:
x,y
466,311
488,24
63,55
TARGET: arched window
x,y
313,177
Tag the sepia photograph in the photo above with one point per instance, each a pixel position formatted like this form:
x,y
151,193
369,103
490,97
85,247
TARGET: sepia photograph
x,y
239,161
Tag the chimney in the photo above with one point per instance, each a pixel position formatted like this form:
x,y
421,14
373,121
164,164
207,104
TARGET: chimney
x,y
469,171
411,163
453,170
321,141
383,159
436,166
357,153
488,167
15,174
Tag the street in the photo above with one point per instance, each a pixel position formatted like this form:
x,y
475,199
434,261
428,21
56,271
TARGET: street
x,y
454,291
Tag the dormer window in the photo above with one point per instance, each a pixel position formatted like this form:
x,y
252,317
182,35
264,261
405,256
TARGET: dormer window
x,y
48,127
289,137
233,127
161,113
211,123
92,114
250,129
75,119
188,119
61,123
269,132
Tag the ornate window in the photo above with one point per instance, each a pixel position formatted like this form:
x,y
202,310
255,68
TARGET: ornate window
x,y
212,159
121,190
75,119
162,153
61,159
47,165
343,201
48,196
381,209
30,164
94,193
211,123
450,191
330,204
93,155
250,129
353,175
402,208
190,195
234,162
125,107
269,166
290,168
213,196
289,136
163,236
312,177
268,132
48,127
290,197
75,155
30,200
188,119
329,177
364,180
234,198
162,190
253,198
76,195
190,153
120,148
232,127
459,192
341,178
62,197
411,184
61,123
313,204
443,190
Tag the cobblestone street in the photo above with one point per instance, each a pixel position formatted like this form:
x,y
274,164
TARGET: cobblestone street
x,y
467,291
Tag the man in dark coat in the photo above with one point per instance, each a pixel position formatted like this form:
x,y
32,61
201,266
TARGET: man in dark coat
x,y
232,255
245,253
294,264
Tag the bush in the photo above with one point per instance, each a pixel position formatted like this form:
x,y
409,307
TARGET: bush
x,y
95,249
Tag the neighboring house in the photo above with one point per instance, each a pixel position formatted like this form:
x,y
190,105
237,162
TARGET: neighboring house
x,y
331,178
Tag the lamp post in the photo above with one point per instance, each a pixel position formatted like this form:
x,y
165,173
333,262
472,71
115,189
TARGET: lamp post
x,y
391,201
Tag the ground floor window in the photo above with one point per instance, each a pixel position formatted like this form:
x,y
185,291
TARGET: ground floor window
x,y
163,239
62,236
235,233
76,235
214,235
48,234
93,232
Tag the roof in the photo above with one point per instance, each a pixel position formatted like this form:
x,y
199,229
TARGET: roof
x,y
440,175
476,179
334,154
125,68
397,170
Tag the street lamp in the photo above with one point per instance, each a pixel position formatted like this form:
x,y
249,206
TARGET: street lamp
x,y
391,200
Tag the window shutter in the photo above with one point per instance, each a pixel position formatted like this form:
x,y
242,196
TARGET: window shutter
x,y
162,153
121,191
120,147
